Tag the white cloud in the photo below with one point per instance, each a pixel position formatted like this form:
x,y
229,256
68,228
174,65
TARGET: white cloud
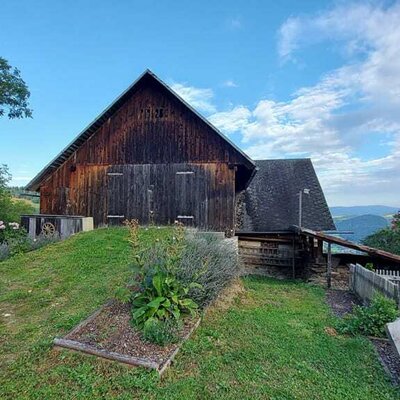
x,y
330,120
231,121
199,98
230,83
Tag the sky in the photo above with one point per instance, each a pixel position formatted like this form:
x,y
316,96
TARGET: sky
x,y
287,79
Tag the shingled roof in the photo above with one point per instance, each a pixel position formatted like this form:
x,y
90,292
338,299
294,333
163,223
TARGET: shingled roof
x,y
271,202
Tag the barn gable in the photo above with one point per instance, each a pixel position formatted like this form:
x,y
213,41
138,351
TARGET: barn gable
x,y
136,129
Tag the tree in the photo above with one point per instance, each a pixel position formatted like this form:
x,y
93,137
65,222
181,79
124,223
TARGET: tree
x,y
387,239
10,209
14,92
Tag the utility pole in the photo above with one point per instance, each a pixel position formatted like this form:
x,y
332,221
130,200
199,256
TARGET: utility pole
x,y
305,191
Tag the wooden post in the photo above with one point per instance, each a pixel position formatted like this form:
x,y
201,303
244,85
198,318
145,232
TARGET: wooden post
x,y
329,266
293,258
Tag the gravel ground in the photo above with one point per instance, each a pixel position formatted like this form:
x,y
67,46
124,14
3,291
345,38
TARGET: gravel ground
x,y
389,358
342,302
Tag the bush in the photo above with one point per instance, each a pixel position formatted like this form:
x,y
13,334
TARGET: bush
x,y
370,320
162,332
161,297
211,263
11,231
17,241
43,240
4,251
11,209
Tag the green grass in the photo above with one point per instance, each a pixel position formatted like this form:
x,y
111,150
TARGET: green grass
x,y
271,343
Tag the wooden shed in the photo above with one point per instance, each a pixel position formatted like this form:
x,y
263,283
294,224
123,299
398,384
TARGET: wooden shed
x,y
148,156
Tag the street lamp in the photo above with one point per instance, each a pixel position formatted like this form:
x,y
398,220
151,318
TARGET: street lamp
x,y
305,191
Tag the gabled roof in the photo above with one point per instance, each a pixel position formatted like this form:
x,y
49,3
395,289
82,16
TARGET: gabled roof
x,y
63,156
271,202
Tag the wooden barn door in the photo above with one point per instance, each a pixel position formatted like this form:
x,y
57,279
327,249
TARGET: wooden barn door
x,y
194,194
116,194
190,195
129,193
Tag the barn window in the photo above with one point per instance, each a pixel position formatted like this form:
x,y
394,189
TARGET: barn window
x,y
151,113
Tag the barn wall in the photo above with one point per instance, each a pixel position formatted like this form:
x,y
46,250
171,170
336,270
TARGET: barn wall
x,y
151,128
159,193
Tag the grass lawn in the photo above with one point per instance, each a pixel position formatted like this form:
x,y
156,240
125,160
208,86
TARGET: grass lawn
x,y
270,344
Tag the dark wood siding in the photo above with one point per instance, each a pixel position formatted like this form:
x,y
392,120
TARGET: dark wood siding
x,y
159,193
150,138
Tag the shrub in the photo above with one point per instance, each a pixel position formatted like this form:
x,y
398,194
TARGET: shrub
x,y
162,332
43,240
4,251
14,240
212,264
370,320
161,297
11,209
11,231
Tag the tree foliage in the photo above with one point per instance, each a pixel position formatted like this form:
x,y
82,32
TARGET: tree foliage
x,y
387,239
10,209
14,92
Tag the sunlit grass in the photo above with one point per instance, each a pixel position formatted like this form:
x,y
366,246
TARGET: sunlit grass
x,y
271,343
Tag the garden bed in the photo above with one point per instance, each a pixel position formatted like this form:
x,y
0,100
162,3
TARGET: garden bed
x,y
341,303
108,333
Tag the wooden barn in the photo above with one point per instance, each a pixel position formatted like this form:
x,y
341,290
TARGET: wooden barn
x,y
148,156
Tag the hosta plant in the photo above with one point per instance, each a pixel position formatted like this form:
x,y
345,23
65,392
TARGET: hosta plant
x,y
162,298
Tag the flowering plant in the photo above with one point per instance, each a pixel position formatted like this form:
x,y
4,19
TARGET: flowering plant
x,y
11,231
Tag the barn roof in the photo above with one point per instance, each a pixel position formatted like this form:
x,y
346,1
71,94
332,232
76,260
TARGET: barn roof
x,y
271,202
35,183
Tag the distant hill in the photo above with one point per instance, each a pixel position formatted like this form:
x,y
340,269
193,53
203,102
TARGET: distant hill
x,y
362,226
363,210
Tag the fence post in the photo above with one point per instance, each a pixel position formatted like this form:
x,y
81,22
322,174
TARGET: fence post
x,y
329,266
351,277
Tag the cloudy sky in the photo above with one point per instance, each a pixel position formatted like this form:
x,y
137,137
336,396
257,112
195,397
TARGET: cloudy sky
x,y
317,79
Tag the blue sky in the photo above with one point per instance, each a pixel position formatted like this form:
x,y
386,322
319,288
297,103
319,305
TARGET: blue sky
x,y
317,79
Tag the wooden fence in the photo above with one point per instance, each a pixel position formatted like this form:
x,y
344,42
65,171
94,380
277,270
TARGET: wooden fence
x,y
366,283
393,276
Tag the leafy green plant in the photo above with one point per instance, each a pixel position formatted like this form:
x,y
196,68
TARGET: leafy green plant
x,y
161,297
162,332
369,266
370,320
123,294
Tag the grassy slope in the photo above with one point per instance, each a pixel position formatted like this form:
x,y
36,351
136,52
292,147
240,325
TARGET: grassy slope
x,y
270,344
